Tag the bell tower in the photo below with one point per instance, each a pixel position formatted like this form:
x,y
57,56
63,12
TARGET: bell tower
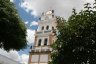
x,y
44,37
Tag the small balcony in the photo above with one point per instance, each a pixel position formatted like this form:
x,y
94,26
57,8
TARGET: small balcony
x,y
47,31
40,49
44,32
39,32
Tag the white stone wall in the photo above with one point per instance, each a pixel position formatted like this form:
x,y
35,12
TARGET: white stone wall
x,y
35,58
47,19
45,48
39,63
43,58
6,60
49,22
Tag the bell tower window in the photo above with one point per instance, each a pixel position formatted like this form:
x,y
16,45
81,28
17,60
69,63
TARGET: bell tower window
x,y
47,27
45,41
52,28
52,16
42,28
39,42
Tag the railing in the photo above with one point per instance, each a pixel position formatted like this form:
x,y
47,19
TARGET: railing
x,y
39,32
45,31
41,49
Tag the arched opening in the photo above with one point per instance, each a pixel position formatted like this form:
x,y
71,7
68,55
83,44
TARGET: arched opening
x,y
52,28
42,27
45,41
39,42
47,27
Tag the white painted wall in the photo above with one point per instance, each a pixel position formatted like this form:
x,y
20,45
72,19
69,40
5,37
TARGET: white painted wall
x,y
39,63
50,23
6,60
43,59
35,58
46,20
35,63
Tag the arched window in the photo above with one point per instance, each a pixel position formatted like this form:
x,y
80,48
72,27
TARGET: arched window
x,y
52,28
53,16
39,42
45,41
42,27
52,11
54,31
47,27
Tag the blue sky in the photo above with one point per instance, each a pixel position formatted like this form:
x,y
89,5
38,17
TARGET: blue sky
x,y
26,17
30,11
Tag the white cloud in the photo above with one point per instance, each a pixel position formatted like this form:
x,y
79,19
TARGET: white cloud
x,y
26,5
11,0
34,23
26,22
30,36
11,54
90,1
24,58
62,7
15,56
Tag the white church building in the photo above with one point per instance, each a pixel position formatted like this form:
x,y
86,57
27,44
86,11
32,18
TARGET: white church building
x,y
44,37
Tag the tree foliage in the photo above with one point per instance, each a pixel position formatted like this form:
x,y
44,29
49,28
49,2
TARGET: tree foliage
x,y
76,40
12,29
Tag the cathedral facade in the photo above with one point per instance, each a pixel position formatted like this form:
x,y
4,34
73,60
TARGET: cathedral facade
x,y
44,37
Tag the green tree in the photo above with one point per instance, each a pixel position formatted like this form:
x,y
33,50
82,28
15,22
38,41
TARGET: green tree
x,y
12,29
76,41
